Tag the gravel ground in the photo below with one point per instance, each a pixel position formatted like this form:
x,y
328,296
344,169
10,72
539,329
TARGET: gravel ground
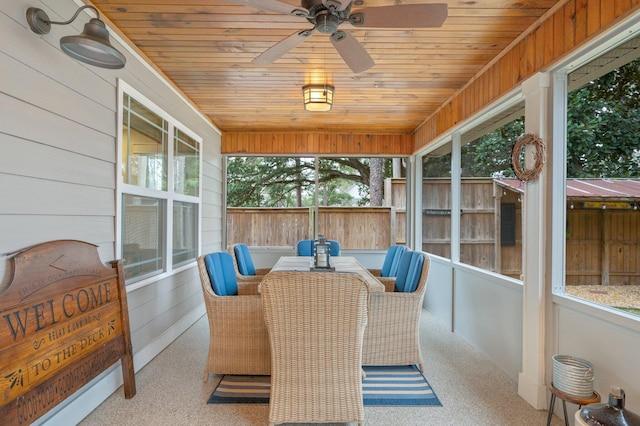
x,y
618,296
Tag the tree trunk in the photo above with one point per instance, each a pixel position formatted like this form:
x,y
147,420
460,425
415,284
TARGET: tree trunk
x,y
375,181
299,187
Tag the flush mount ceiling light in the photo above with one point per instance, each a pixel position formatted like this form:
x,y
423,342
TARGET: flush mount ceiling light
x,y
318,97
91,47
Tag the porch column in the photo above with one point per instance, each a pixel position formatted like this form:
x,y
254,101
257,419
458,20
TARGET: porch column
x,y
531,380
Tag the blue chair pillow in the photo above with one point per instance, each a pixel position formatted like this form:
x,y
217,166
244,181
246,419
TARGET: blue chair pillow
x,y
243,257
392,260
334,248
222,274
305,248
409,271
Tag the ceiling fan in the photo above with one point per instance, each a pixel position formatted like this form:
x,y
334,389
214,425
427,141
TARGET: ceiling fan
x,y
327,15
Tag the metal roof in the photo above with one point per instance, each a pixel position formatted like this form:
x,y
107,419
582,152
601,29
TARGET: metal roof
x,y
589,188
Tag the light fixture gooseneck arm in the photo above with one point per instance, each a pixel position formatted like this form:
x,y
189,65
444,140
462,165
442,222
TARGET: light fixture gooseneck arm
x,y
75,15
40,23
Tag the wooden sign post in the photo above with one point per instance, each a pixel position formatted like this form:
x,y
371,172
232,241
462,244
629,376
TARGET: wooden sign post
x,y
63,320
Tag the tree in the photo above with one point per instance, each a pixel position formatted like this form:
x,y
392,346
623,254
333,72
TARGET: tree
x,y
490,155
288,182
603,124
603,121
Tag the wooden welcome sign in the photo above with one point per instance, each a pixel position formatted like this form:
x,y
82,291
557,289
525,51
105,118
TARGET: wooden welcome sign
x,y
63,321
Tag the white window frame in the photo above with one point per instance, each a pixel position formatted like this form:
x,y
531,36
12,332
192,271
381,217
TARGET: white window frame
x,y
455,137
168,196
624,32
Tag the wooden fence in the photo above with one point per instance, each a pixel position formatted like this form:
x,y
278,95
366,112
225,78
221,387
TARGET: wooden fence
x,y
480,224
369,228
602,245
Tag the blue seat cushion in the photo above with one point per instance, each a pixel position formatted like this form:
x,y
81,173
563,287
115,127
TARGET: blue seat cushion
x,y
222,274
392,260
409,271
305,248
245,262
334,248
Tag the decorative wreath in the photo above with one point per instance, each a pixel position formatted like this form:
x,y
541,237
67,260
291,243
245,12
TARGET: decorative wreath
x,y
540,155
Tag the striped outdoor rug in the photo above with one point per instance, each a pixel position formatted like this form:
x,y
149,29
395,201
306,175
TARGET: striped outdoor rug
x,y
383,386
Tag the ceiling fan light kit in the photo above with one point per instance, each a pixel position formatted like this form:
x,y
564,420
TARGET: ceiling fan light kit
x,y
318,97
327,15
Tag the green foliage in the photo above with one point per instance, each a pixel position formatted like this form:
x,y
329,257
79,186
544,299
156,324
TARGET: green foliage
x,y
434,167
490,155
603,124
290,182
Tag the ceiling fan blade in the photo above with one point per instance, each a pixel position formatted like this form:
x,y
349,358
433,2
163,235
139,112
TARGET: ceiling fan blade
x,y
401,16
352,52
276,51
273,5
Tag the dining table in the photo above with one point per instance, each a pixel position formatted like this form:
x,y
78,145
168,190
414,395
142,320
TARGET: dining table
x,y
338,264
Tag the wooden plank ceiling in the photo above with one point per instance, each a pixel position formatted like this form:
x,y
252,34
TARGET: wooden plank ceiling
x,y
206,47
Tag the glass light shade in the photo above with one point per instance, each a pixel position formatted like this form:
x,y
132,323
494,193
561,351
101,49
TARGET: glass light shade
x,y
318,97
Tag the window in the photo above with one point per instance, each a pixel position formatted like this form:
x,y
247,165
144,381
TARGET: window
x,y
436,201
491,196
277,201
160,204
602,261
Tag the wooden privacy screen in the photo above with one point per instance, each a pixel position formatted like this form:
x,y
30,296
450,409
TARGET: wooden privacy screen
x,y
63,321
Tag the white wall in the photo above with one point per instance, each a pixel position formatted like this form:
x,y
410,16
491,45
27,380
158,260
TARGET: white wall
x,y
482,308
58,173
486,311
611,342
438,298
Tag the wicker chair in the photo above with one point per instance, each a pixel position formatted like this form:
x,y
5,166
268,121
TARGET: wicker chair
x,y
316,323
243,264
239,342
392,336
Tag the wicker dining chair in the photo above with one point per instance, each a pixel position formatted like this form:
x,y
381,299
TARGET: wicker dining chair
x,y
316,323
393,333
238,338
246,272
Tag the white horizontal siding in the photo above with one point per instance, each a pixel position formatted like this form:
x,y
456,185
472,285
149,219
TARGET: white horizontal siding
x,y
24,230
58,145
48,197
18,118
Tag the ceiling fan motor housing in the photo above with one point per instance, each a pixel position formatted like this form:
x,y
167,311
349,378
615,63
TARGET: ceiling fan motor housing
x,y
326,22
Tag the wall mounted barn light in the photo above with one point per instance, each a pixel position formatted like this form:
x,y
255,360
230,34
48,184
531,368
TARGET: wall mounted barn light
x,y
91,47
